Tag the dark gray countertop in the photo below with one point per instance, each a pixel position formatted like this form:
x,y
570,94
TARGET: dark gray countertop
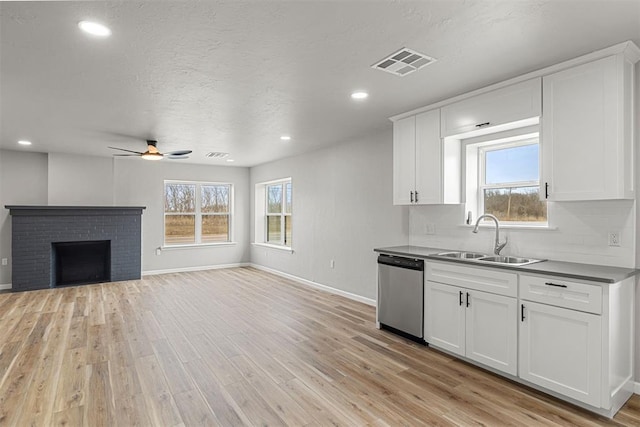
x,y
571,270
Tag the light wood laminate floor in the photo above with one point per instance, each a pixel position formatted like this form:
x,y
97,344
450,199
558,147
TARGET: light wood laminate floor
x,y
239,347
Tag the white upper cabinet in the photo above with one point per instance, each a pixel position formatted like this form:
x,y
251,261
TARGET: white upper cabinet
x,y
587,131
404,160
417,160
509,104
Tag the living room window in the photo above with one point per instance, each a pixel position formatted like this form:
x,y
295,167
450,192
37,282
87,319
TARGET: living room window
x,y
274,201
197,213
503,179
278,213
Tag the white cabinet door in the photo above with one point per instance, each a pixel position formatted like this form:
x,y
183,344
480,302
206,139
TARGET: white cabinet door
x,y
428,189
560,349
404,160
492,335
444,325
506,105
583,144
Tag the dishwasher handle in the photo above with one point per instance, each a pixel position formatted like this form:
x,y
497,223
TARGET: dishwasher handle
x,y
400,262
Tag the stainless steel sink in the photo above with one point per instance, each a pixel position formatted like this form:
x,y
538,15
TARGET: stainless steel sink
x,y
489,259
462,255
509,260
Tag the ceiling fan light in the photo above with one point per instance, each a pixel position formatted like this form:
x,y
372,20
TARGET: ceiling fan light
x,y
151,156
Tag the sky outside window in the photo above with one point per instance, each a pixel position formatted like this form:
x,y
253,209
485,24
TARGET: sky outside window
x,y
515,164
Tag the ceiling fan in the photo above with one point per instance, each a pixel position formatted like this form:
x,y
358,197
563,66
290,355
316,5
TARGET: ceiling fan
x,y
152,152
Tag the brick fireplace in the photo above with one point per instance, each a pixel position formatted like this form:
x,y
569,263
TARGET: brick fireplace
x,y
65,245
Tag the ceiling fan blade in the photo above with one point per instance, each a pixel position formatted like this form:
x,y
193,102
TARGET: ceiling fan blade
x,y
179,153
175,157
126,155
123,149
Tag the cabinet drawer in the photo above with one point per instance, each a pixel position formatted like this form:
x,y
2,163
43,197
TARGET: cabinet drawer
x,y
562,293
487,280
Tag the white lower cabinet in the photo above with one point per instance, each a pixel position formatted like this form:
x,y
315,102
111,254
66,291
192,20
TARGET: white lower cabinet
x,y
577,339
573,339
561,350
492,336
471,323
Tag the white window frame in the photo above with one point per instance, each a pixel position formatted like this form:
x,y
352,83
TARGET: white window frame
x,y
475,159
261,212
198,214
283,215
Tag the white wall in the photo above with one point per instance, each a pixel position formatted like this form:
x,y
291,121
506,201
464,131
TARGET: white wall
x,y
141,183
579,234
342,209
23,181
80,180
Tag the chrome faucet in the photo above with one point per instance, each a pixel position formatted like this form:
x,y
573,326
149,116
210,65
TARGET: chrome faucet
x,y
499,246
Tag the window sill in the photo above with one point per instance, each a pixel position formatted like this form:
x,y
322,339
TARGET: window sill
x,y
197,246
278,247
511,227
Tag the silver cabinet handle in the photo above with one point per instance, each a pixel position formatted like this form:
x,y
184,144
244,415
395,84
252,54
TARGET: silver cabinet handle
x,y
411,196
416,197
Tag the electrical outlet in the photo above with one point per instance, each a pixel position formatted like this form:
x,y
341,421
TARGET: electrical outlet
x,y
614,238
158,251
4,261
332,264
430,228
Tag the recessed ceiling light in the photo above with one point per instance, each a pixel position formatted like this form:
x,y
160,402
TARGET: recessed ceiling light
x,y
24,142
359,95
94,28
285,138
230,160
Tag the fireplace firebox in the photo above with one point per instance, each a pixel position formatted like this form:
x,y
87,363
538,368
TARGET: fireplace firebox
x,y
79,263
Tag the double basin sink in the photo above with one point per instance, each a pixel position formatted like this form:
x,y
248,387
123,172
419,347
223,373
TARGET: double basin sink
x,y
489,259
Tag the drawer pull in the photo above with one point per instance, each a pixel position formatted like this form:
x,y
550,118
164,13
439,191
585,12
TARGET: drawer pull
x,y
461,298
555,284
522,313
480,125
467,299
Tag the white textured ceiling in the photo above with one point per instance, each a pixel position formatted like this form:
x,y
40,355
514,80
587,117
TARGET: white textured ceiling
x,y
234,76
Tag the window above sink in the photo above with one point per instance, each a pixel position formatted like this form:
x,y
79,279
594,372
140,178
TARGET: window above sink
x,y
501,177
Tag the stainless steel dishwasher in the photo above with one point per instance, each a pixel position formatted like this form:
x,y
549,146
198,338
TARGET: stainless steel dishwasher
x,y
401,295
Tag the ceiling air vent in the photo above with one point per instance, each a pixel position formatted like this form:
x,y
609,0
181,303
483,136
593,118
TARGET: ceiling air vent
x,y
403,62
216,155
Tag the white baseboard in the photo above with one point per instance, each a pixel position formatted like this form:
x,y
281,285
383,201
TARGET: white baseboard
x,y
316,285
199,268
5,286
636,387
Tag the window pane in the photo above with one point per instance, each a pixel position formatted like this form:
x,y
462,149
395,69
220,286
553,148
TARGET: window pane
x,y
215,228
215,198
513,164
179,198
287,197
274,198
515,204
179,229
274,229
287,230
